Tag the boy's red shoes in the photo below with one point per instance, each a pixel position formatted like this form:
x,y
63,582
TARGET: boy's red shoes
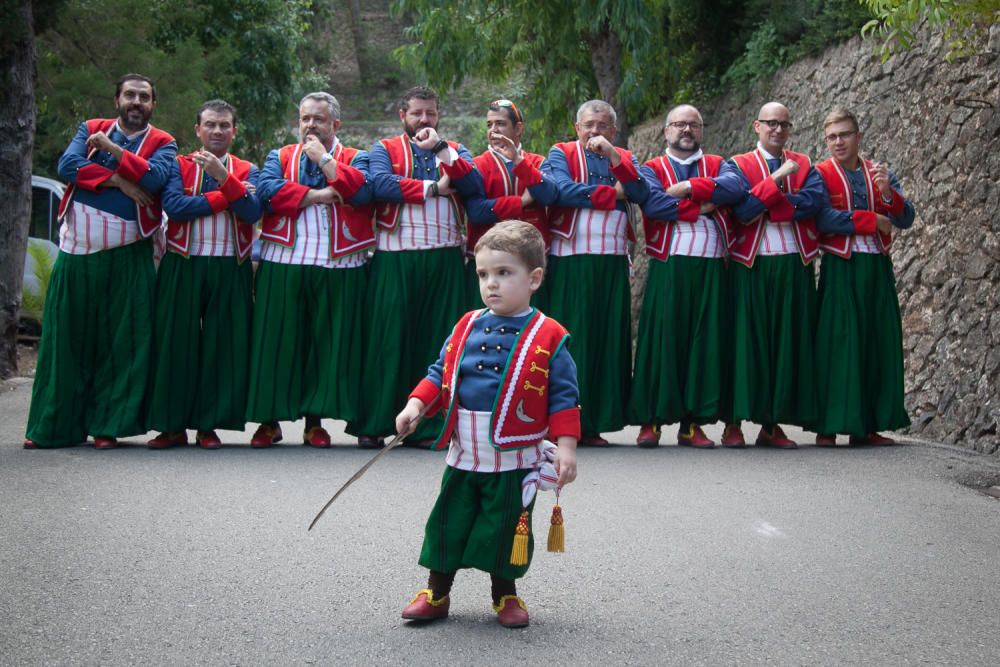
x,y
316,436
733,437
593,441
511,612
695,437
649,436
265,436
775,438
423,607
826,440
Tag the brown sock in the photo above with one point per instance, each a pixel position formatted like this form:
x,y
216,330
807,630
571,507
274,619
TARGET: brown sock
x,y
440,583
500,587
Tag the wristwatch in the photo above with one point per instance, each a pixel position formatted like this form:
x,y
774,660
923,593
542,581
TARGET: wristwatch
x,y
324,160
433,189
439,146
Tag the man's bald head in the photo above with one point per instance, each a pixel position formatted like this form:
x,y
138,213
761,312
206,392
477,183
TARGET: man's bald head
x,y
773,127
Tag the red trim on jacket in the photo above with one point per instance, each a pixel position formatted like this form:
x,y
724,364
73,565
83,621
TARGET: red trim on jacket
x,y
354,232
132,166
841,199
232,189
604,197
754,167
660,232
507,191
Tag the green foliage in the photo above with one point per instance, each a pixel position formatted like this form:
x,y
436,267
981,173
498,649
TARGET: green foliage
x,y
545,44
244,51
895,22
762,58
41,259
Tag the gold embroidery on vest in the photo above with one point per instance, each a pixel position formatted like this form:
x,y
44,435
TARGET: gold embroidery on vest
x,y
530,387
541,350
536,368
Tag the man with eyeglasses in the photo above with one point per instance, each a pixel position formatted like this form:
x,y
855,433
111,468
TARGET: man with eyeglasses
x,y
681,373
775,195
417,284
308,332
859,337
506,185
588,273
94,356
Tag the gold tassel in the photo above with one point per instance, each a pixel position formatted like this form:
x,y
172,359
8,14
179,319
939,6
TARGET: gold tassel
x,y
519,553
557,532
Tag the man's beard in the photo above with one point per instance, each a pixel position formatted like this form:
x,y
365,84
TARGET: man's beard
x,y
412,131
676,145
123,117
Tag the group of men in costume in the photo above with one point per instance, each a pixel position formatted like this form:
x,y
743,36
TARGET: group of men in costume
x,y
363,268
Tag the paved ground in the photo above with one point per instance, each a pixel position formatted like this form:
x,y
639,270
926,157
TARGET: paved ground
x,y
674,556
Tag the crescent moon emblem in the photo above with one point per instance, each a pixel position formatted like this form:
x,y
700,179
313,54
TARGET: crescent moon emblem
x,y
519,411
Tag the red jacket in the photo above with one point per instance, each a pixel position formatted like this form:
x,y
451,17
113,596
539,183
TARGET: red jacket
x,y
864,220
179,231
762,186
522,390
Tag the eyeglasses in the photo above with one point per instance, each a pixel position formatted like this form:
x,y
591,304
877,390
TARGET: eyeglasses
x,y
600,127
681,125
775,124
839,136
496,105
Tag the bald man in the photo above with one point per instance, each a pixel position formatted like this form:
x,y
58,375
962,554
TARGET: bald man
x,y
775,195
681,374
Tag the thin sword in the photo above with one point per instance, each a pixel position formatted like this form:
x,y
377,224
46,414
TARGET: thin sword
x,y
395,442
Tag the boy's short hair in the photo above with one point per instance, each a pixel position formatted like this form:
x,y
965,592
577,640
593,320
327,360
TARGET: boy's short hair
x,y
519,238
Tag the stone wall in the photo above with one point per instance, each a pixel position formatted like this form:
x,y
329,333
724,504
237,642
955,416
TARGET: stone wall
x,y
937,125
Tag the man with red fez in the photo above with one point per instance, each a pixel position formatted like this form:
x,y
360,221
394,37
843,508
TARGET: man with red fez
x,y
588,275
859,337
417,283
204,289
775,194
307,344
681,374
94,356
507,183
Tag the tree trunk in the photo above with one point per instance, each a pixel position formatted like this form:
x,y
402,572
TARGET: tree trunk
x,y
360,41
606,58
17,136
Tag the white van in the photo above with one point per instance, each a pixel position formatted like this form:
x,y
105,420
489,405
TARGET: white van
x,y
43,246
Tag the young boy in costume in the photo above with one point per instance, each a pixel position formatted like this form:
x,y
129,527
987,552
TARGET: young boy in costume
x,y
505,381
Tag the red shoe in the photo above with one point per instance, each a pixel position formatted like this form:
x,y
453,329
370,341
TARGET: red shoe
x,y
733,437
649,436
265,436
423,607
316,437
872,439
695,437
105,442
593,441
30,444
207,440
168,440
511,612
775,438
826,440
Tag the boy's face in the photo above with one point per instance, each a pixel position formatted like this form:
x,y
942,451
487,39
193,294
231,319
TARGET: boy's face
x,y
505,283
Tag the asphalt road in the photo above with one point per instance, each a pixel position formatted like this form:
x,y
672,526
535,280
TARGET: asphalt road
x,y
875,556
